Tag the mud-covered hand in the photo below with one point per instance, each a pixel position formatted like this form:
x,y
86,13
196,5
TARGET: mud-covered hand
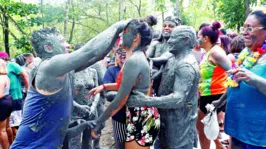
x,y
217,103
91,124
122,24
86,110
157,74
241,74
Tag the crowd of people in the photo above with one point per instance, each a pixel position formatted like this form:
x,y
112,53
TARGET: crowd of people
x,y
158,86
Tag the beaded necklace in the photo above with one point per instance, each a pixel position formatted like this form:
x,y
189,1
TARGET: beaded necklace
x,y
246,59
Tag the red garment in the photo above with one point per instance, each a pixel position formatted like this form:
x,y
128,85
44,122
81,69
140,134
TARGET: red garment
x,y
119,79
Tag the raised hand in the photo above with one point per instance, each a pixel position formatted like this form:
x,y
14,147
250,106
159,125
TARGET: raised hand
x,y
95,91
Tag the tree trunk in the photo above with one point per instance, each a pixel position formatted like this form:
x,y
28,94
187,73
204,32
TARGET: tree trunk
x,y
5,31
163,16
119,11
125,9
139,8
66,18
42,13
73,25
247,9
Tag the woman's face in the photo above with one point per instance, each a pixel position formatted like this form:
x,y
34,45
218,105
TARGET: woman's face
x,y
120,56
253,39
128,37
168,27
201,40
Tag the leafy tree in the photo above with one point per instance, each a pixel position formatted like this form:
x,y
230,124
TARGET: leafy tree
x,y
233,12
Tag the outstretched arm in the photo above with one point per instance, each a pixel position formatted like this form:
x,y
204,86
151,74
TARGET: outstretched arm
x,y
162,59
222,100
184,81
92,52
130,74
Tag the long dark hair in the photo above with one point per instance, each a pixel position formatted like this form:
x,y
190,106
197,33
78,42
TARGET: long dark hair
x,y
145,31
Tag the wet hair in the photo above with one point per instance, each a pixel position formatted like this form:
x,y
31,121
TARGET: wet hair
x,y
225,43
261,16
78,46
203,25
145,31
237,44
41,37
174,20
211,31
223,31
151,20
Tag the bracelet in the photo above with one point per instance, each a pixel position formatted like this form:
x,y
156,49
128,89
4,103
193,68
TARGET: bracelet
x,y
104,87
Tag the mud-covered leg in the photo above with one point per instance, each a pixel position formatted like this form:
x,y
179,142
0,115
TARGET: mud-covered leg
x,y
75,129
86,139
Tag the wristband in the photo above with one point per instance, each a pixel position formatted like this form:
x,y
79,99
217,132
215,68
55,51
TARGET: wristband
x,y
104,87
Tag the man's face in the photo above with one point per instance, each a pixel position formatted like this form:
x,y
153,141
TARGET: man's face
x,y
176,42
168,27
59,44
29,59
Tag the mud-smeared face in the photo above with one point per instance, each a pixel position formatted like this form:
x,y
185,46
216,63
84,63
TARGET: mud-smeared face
x,y
201,40
168,27
58,45
176,42
128,36
253,39
182,38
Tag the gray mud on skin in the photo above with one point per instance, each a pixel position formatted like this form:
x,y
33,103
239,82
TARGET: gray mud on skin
x,y
177,101
52,76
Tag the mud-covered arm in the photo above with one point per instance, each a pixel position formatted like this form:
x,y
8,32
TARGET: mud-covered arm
x,y
222,100
259,83
83,110
162,59
151,50
90,53
130,73
221,59
183,83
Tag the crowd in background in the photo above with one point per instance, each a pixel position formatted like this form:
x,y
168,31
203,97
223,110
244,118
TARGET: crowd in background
x,y
216,52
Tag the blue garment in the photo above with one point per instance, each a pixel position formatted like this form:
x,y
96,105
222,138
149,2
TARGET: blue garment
x,y
45,119
237,143
110,77
245,116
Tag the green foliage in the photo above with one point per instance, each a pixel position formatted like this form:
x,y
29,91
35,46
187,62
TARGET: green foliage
x,y
232,12
198,12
